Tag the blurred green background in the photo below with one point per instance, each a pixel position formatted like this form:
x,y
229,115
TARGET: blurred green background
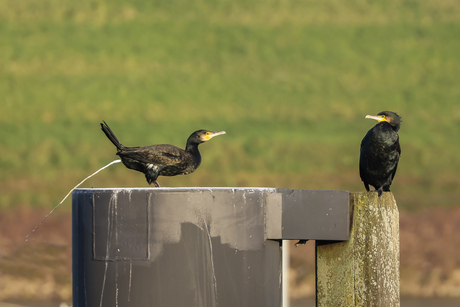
x,y
290,82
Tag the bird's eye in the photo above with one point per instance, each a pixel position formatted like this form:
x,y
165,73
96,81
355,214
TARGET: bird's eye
x,y
208,133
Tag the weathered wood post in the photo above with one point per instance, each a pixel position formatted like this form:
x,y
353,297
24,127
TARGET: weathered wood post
x,y
363,271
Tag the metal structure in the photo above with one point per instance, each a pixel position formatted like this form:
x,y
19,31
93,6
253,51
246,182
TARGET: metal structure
x,y
193,246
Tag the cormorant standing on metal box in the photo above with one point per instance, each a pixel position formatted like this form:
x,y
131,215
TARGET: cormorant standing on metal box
x,y
162,160
380,151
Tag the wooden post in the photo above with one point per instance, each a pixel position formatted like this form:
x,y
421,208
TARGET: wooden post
x,y
363,271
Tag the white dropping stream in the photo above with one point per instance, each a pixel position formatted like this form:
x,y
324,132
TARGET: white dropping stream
x,y
46,216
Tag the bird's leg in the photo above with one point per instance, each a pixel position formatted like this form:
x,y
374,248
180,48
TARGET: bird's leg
x,y
366,186
151,174
380,191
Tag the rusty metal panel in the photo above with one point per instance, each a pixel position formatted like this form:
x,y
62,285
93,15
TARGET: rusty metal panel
x,y
309,215
188,247
125,227
316,215
193,246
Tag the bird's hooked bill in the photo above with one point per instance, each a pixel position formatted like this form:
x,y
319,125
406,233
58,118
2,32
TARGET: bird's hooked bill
x,y
217,133
376,117
209,135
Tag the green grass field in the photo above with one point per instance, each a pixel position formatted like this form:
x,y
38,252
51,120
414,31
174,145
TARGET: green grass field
x,y
290,82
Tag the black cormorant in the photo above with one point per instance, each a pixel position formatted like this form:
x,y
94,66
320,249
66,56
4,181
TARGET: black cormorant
x,y
162,160
380,151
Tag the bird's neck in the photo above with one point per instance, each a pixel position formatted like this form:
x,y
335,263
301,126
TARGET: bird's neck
x,y
394,128
192,148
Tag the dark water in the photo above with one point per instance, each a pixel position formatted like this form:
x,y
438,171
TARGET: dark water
x,y
405,302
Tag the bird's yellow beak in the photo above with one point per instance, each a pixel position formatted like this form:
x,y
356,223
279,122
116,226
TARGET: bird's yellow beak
x,y
379,118
213,134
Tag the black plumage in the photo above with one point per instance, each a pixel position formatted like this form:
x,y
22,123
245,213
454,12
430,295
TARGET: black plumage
x,y
162,160
380,152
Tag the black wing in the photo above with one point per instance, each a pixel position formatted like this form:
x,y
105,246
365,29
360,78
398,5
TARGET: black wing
x,y
363,156
398,149
155,154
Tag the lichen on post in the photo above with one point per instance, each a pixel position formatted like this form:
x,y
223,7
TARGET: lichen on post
x,y
363,271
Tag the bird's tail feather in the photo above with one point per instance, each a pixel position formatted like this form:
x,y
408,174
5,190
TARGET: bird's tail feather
x,y
111,136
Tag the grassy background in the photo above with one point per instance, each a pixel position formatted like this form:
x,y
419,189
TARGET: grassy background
x,y
290,82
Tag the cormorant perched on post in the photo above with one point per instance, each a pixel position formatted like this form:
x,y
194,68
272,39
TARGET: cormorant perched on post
x,y
162,160
380,151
